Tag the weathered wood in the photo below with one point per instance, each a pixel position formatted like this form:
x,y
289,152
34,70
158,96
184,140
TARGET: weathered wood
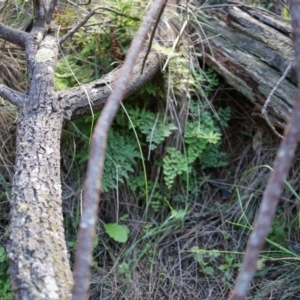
x,y
251,49
37,250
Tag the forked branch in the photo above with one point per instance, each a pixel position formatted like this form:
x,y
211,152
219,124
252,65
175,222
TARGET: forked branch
x,y
40,11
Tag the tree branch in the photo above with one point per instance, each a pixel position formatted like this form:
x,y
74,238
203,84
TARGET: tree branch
x,y
39,12
95,166
80,100
152,35
87,17
12,35
12,96
273,189
50,11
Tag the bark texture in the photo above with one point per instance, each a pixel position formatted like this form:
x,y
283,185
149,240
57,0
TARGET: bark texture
x,y
81,100
40,266
37,249
251,49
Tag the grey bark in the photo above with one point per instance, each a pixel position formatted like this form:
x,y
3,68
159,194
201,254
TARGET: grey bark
x,y
39,263
251,49
80,100
37,249
250,54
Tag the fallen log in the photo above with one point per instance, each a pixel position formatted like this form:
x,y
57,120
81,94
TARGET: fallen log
x,y
251,49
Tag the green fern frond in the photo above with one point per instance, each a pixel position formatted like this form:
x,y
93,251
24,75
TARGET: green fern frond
x,y
118,164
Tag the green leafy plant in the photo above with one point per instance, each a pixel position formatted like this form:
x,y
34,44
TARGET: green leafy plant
x,y
154,128
5,288
118,164
117,232
216,263
202,142
96,46
175,163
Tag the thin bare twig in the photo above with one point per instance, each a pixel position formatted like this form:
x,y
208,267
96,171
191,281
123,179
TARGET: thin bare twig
x,y
89,2
152,37
12,96
92,186
87,17
264,109
255,114
274,187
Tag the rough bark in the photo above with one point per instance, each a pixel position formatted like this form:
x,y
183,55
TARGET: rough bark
x,y
81,100
250,49
39,263
37,249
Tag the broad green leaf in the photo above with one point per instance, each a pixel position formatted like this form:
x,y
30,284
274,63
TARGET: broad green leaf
x,y
117,232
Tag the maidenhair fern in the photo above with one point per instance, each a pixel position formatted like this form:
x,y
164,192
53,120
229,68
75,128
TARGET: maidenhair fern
x,y
174,164
212,157
202,143
152,126
121,157
223,116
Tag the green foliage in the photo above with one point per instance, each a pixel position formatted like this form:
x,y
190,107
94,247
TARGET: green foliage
x,y
121,155
96,46
5,289
150,89
124,268
202,133
69,73
175,163
216,263
223,116
117,232
202,143
278,229
212,157
126,27
208,81
153,127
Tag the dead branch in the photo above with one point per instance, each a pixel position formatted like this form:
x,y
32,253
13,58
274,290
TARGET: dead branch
x,y
87,17
96,161
273,189
40,11
12,35
50,11
78,101
11,95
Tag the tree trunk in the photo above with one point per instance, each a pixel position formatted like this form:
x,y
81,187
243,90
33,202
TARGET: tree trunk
x,y
39,263
251,49
37,249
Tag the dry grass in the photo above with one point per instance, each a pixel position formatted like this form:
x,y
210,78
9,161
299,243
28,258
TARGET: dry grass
x,y
156,262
